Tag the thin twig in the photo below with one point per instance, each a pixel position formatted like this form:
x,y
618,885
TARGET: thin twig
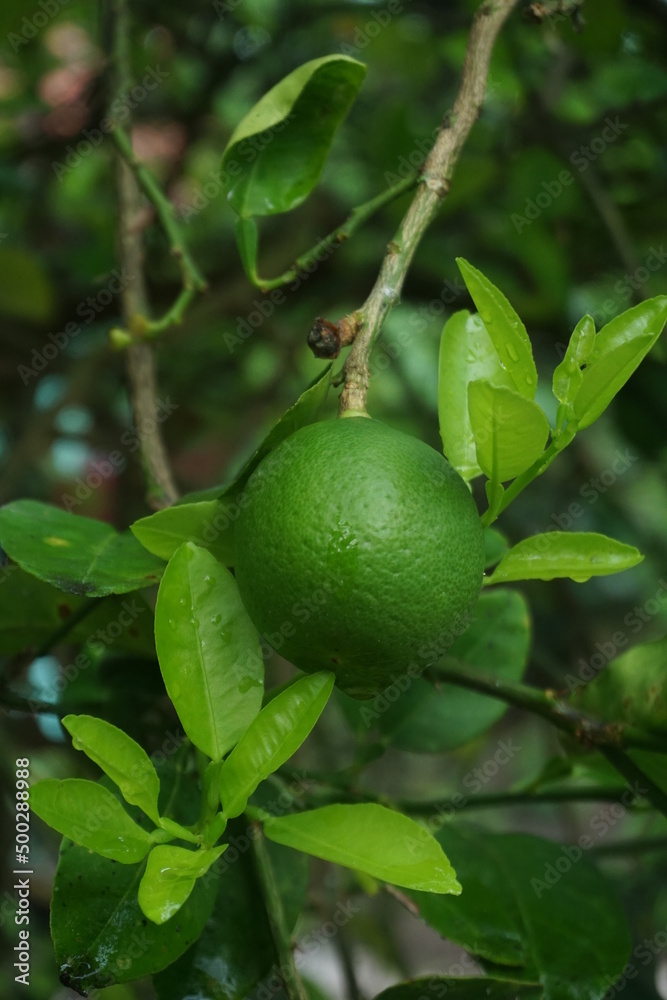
x,y
140,357
549,705
275,912
627,848
433,187
193,280
355,219
643,785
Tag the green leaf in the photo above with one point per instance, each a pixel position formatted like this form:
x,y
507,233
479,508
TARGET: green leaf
x,y
101,936
75,554
208,651
166,530
26,290
632,688
532,906
276,154
32,611
567,375
653,764
120,757
504,327
461,989
99,933
428,719
618,349
305,411
372,839
272,738
169,878
467,354
91,816
495,546
578,555
510,431
236,950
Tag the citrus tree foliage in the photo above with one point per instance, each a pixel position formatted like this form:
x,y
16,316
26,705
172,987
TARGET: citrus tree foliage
x,y
525,350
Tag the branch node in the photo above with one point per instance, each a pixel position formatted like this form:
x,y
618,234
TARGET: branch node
x,y
437,185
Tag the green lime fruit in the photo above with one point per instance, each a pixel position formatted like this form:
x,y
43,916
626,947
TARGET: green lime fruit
x,y
359,550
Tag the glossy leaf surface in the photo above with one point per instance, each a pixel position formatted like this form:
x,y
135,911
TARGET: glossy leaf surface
x,y
467,354
369,838
208,651
92,817
528,906
120,757
99,932
169,878
504,327
578,555
236,951
510,431
272,738
276,154
203,523
618,349
76,554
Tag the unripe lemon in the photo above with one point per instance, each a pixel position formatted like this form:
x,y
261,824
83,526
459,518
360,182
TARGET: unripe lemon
x,y
359,550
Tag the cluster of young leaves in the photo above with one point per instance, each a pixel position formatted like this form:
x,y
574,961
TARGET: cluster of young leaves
x,y
491,424
213,671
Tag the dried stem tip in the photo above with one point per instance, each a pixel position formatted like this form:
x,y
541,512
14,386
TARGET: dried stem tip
x,y
326,339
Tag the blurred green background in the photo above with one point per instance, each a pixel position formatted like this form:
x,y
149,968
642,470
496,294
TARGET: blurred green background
x,y
587,102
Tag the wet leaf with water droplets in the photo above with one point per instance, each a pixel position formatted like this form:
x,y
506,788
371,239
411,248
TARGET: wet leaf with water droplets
x,y
272,738
120,757
169,878
211,661
91,816
505,329
510,430
467,354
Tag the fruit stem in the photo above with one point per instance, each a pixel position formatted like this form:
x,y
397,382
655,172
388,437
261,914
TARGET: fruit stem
x,y
433,187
